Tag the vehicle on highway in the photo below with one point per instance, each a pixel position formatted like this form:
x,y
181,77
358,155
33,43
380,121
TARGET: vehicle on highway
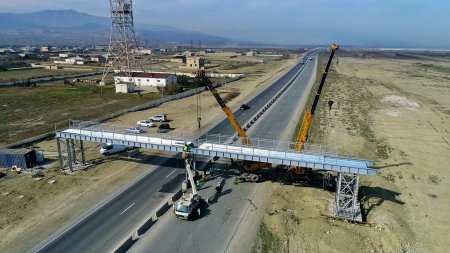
x,y
163,128
185,207
134,130
245,107
302,61
310,58
158,118
145,123
189,202
108,149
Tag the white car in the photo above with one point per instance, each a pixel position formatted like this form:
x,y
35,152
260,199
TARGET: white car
x,y
160,118
134,130
145,123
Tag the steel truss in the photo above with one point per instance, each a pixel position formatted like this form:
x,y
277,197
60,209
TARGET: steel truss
x,y
347,204
71,154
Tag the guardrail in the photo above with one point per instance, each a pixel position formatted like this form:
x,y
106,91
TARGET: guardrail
x,y
145,225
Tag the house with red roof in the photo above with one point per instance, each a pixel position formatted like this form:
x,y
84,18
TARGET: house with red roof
x,y
146,79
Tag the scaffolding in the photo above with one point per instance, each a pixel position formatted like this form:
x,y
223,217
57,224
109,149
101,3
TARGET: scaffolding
x,y
71,154
347,205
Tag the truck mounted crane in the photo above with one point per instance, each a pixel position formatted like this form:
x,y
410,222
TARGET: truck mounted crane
x,y
301,173
244,138
247,168
189,202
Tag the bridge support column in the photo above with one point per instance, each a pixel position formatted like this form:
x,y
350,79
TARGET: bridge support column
x,y
347,205
70,153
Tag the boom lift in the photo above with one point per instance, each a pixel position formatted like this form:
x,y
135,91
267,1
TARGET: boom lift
x,y
189,202
300,174
247,168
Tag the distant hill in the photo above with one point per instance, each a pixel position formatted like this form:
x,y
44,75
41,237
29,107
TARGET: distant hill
x,y
72,27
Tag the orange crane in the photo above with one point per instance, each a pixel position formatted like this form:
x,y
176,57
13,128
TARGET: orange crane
x,y
307,120
247,168
244,138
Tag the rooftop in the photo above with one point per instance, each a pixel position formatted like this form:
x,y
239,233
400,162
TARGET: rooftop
x,y
144,75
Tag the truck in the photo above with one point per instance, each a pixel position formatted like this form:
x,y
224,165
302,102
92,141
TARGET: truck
x,y
189,202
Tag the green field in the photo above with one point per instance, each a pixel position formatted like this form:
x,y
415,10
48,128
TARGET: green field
x,y
26,112
15,75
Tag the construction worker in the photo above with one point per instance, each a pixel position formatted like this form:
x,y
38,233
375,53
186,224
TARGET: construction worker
x,y
186,148
219,188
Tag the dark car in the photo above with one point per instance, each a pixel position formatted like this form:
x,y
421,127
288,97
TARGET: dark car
x,y
245,107
163,128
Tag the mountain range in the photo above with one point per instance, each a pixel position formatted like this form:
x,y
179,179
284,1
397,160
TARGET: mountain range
x,y
62,27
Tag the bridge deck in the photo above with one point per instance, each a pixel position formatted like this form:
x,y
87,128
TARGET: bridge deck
x,y
320,161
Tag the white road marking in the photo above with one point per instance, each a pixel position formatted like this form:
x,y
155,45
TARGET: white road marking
x,y
98,207
170,174
127,208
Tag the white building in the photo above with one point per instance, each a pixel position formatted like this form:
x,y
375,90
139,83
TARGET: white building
x,y
98,58
72,61
124,87
146,79
142,51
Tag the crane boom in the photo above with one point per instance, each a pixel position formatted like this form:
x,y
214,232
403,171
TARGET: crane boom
x,y
234,122
307,119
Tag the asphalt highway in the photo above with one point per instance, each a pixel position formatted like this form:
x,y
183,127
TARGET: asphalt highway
x,y
101,229
215,228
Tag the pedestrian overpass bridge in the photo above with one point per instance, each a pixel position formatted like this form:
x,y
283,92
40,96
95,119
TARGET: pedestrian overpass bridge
x,y
71,155
216,145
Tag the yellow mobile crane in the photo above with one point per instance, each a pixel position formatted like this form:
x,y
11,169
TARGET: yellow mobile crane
x,y
300,174
244,138
247,168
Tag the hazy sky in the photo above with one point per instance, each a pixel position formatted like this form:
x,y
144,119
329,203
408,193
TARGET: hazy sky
x,y
384,23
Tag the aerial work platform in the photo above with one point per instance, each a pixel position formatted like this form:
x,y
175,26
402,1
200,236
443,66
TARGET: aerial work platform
x,y
211,146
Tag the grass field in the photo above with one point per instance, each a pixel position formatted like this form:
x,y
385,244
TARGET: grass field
x,y
37,110
15,75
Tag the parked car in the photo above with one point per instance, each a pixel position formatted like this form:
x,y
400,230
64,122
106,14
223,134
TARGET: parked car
x,y
108,149
145,123
158,118
163,128
245,107
134,130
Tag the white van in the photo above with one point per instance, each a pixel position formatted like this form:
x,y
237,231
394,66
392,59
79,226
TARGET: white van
x,y
109,148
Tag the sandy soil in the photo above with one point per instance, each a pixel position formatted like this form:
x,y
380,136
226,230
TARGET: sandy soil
x,y
32,210
395,111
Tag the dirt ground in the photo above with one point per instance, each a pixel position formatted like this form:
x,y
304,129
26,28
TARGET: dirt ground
x,y
393,110
32,210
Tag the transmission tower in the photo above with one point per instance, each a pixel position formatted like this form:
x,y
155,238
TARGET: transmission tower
x,y
123,44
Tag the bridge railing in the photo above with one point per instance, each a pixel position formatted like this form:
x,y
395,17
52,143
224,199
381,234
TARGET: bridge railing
x,y
279,147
